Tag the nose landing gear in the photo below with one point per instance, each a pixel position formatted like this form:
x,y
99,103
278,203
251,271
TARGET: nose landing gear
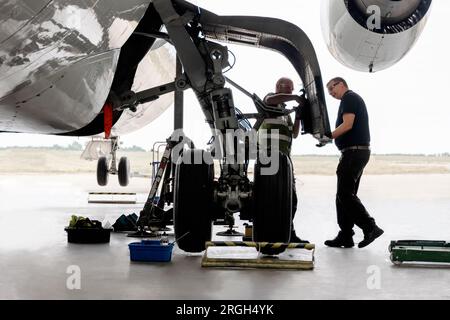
x,y
108,165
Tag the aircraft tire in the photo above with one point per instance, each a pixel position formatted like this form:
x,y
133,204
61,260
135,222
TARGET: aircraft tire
x,y
124,171
102,171
193,201
273,204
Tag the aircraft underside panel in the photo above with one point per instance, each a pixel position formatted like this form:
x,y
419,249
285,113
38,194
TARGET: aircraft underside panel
x,y
63,101
157,67
57,60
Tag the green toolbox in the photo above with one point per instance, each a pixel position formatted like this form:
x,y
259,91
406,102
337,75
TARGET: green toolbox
x,y
420,251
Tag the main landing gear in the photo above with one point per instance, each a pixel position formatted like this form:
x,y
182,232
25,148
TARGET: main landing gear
x,y
199,197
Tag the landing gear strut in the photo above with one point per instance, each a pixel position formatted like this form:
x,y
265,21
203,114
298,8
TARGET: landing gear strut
x,y
230,232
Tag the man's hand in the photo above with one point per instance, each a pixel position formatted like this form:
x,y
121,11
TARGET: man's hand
x,y
301,100
324,140
299,113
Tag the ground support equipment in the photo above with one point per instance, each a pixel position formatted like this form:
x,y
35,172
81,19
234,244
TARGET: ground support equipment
x,y
238,254
112,197
420,251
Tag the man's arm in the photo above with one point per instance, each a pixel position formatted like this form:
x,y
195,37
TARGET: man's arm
x,y
347,125
296,129
277,98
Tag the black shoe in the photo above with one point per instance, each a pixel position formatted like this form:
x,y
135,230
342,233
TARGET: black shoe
x,y
370,236
341,240
295,239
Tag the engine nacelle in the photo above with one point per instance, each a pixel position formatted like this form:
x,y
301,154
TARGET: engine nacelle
x,y
372,35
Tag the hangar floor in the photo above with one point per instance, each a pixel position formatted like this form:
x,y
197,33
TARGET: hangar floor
x,y
35,255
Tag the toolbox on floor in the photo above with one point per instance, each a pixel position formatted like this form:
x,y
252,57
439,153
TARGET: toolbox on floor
x,y
88,235
420,251
85,230
151,250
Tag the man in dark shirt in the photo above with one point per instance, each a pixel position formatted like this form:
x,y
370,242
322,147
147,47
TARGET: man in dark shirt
x,y
352,137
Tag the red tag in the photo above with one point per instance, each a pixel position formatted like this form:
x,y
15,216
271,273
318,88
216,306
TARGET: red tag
x,y
107,119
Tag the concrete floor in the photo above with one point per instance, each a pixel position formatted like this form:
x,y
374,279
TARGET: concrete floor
x,y
35,255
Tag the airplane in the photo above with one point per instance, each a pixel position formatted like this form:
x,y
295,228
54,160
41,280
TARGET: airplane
x,y
83,68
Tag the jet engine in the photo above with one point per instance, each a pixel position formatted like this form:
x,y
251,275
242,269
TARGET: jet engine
x,y
372,35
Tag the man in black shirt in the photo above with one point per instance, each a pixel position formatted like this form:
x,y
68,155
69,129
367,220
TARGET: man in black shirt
x,y
352,137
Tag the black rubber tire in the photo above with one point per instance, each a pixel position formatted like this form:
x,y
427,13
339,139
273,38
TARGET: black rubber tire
x,y
102,171
193,202
124,171
273,203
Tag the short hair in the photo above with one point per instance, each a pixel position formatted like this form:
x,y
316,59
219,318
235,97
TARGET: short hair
x,y
337,80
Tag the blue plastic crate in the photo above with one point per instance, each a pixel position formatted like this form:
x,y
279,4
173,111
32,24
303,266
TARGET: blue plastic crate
x,y
150,250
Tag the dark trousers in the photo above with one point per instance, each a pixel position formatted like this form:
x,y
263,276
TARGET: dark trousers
x,y
294,203
294,197
350,210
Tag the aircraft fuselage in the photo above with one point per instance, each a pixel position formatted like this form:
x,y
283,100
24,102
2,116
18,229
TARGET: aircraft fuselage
x,y
58,60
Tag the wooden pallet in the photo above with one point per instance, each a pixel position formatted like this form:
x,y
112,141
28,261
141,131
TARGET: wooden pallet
x,y
229,254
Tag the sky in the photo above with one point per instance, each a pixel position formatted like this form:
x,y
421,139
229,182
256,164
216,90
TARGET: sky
x,y
407,103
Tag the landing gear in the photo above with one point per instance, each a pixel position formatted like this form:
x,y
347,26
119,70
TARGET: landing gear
x,y
197,198
273,202
230,232
108,165
102,171
124,171
193,201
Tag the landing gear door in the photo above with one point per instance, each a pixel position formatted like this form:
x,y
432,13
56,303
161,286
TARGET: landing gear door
x,y
97,148
284,38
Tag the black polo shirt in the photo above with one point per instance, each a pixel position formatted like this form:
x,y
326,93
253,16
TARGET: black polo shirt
x,y
359,135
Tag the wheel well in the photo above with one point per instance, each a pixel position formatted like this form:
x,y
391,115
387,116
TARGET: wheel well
x,y
131,54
